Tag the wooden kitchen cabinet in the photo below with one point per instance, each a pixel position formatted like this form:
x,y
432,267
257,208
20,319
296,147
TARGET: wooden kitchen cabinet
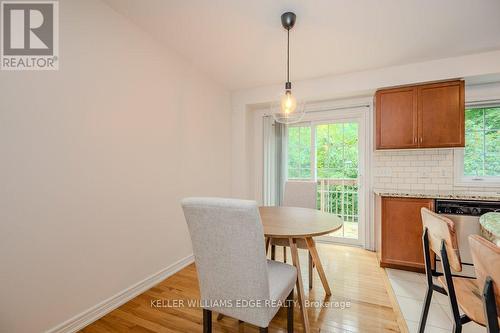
x,y
421,116
401,233
441,112
397,118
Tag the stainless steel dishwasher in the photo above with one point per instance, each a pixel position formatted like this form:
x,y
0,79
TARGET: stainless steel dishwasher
x,y
466,215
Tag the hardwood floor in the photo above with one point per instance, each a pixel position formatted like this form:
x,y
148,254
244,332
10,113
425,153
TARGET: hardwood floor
x,y
353,274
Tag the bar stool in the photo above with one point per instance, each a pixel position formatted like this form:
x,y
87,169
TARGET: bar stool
x,y
486,256
440,238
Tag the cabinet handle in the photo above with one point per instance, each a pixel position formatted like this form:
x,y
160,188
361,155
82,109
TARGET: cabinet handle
x,y
421,140
414,139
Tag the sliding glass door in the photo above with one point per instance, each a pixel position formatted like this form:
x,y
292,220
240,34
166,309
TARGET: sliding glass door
x,y
330,152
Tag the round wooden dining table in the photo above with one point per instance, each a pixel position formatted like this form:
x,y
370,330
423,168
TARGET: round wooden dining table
x,y
295,223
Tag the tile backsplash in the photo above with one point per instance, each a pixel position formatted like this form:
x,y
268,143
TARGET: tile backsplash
x,y
420,169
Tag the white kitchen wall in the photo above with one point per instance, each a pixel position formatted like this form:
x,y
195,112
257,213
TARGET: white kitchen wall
x,y
414,169
95,159
417,170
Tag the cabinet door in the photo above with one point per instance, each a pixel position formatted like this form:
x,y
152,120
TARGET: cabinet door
x,y
441,112
402,232
396,118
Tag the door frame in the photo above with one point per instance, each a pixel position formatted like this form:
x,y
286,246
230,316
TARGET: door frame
x,y
360,115
364,106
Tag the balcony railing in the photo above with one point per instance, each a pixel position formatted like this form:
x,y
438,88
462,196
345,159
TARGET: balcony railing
x,y
340,197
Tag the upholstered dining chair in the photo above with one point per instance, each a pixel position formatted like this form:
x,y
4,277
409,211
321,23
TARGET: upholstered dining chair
x,y
230,258
297,194
440,238
486,257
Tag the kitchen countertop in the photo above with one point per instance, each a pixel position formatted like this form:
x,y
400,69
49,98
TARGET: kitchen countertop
x,y
452,195
490,227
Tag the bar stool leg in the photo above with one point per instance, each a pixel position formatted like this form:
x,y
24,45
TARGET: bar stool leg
x,y
207,321
310,271
490,307
289,313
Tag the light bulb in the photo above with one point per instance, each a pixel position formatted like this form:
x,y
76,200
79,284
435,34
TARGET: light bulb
x,y
288,103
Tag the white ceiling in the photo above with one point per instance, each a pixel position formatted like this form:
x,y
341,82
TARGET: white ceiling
x,y
241,44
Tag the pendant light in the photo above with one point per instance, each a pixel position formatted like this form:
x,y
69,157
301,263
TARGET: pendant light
x,y
288,111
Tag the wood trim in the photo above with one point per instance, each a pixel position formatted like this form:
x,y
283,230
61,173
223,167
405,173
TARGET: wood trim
x,y
420,118
462,112
420,84
401,265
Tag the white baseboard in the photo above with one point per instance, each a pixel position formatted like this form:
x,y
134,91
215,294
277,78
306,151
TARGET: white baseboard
x,y
89,316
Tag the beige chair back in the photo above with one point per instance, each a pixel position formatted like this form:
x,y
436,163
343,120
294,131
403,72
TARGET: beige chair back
x,y
441,228
486,257
300,194
229,251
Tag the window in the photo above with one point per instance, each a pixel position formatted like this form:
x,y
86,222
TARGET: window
x,y
299,152
328,151
479,163
337,150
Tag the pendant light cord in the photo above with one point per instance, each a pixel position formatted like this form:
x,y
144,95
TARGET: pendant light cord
x,y
288,56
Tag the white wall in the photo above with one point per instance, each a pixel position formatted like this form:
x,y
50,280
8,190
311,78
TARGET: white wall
x,y
415,170
94,160
420,170
341,86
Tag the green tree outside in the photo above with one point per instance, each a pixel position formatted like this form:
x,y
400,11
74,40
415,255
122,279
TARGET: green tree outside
x,y
482,142
336,158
